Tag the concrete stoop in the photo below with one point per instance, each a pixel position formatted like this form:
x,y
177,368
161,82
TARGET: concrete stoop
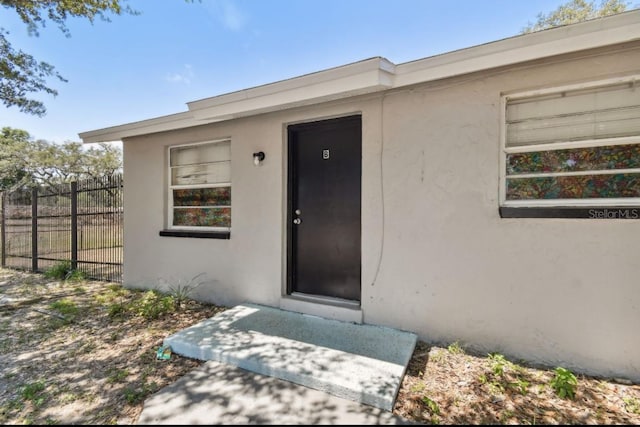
x,y
359,362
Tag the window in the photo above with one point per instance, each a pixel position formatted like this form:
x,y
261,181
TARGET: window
x,y
200,186
573,146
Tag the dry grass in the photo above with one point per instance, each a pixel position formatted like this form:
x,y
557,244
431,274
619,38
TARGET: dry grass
x,y
72,353
448,386
79,353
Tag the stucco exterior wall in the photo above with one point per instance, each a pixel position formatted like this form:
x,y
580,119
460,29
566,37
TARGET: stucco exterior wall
x,y
437,259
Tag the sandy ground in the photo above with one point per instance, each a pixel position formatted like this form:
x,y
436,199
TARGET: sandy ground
x,y
86,353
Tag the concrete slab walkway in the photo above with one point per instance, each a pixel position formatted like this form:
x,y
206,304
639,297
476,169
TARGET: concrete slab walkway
x,y
217,393
362,363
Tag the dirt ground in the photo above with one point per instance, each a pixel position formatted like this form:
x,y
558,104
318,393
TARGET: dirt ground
x,y
448,386
86,353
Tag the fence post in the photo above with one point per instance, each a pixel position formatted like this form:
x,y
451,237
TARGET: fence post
x,y
34,229
3,231
74,225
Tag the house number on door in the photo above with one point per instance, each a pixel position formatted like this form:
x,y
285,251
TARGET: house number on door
x,y
325,154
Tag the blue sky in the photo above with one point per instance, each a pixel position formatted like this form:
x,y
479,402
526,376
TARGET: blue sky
x,y
139,67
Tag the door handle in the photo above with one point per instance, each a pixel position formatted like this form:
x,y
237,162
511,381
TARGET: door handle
x,y
297,221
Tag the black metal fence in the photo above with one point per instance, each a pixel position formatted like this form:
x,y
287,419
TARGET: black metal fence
x,y
78,222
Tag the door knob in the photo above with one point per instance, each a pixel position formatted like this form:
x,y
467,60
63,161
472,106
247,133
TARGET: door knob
x,y
297,221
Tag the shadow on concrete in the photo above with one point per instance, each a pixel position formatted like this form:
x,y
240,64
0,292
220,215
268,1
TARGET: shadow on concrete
x,y
217,393
363,363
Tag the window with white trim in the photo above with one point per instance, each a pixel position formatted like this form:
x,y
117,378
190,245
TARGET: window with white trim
x,y
200,186
572,146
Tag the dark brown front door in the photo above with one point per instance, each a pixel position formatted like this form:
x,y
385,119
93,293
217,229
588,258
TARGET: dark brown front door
x,y
324,183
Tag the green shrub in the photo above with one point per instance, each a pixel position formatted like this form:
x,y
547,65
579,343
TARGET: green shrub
x,y
117,309
153,304
75,276
564,383
182,289
62,270
58,271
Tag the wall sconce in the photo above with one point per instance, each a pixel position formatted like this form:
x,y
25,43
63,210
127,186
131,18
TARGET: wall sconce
x,y
258,157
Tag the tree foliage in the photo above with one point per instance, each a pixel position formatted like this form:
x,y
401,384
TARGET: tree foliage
x,y
22,75
25,161
13,143
576,11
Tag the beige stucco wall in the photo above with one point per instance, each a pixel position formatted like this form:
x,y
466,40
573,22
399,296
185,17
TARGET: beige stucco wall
x,y
554,291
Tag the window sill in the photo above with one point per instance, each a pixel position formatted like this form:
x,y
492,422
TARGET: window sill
x,y
599,212
196,234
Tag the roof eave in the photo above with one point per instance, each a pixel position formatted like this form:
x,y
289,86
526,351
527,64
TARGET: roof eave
x,y
591,34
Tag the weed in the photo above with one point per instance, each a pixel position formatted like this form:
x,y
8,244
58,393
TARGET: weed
x,y
417,388
134,396
496,387
498,364
89,347
117,309
148,370
79,290
521,370
506,415
32,390
153,305
182,289
433,406
117,375
106,417
69,397
63,270
455,348
10,406
75,276
564,383
65,307
113,292
521,385
437,356
58,271
631,404
504,374
114,299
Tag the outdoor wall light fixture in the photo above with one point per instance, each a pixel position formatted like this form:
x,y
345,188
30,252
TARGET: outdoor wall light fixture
x,y
258,157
